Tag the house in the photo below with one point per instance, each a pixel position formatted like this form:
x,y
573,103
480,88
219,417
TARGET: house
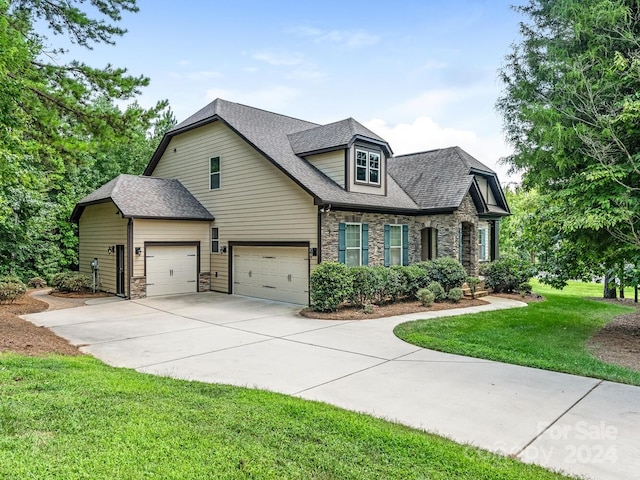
x,y
241,200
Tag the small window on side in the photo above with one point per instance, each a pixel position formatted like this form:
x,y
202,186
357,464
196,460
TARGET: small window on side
x,y
215,240
214,173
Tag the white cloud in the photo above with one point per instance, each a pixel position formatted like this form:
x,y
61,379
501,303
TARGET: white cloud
x,y
279,59
345,38
424,133
184,63
274,98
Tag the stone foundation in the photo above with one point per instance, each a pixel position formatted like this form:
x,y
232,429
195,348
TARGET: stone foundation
x,y
204,282
138,288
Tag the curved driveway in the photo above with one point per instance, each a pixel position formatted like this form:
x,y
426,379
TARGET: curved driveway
x,y
577,424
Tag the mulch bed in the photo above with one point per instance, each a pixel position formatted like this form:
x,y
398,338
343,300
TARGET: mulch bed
x,y
25,338
619,341
86,295
390,310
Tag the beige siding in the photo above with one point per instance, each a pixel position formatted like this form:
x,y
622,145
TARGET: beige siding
x,y
101,227
170,231
485,190
255,202
331,164
363,188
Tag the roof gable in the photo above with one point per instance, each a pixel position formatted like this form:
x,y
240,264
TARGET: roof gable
x,y
146,197
439,179
268,133
332,136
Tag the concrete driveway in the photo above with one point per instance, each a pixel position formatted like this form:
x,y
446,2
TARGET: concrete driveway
x,y
580,425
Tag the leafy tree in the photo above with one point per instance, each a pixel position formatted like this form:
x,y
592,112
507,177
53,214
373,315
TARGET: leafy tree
x,y
58,121
572,114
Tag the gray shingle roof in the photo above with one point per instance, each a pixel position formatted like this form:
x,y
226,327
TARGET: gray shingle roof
x,y
332,135
268,133
146,197
437,179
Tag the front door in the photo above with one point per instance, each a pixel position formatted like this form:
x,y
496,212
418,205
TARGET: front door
x,y
119,269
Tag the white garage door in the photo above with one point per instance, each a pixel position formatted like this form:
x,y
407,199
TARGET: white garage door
x,y
171,269
273,273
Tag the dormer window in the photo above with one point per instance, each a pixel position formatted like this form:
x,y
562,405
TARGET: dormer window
x,y
367,167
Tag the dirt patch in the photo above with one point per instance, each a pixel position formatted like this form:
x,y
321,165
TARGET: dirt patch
x,y
25,338
619,341
529,298
393,309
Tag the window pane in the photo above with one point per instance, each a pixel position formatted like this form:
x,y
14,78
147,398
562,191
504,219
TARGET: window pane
x,y
353,236
215,246
395,256
374,160
214,233
353,257
214,165
215,181
374,176
395,236
361,174
361,158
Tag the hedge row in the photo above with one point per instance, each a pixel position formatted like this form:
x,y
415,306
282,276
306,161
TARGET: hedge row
x,y
334,283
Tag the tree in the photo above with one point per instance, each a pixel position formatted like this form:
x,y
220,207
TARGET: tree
x,y
572,114
56,117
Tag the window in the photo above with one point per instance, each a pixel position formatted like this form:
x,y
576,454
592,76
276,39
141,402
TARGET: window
x,y
353,242
482,244
367,167
395,244
215,240
214,173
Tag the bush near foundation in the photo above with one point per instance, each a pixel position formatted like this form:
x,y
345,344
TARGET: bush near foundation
x,y
72,282
330,285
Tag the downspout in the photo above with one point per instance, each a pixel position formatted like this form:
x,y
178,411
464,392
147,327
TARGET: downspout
x,y
129,256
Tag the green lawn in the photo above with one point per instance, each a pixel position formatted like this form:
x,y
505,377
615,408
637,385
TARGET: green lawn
x,y
551,334
76,418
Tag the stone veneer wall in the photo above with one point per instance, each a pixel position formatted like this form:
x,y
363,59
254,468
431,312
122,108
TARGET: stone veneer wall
x,y
446,224
138,288
204,282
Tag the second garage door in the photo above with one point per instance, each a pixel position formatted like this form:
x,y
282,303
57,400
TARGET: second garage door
x,y
273,273
171,269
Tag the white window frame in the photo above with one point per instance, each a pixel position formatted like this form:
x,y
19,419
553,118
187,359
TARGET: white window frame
x,y
396,247
368,167
347,247
482,246
212,174
215,240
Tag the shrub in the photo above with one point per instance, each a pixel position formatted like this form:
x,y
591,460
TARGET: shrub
x,y
473,283
425,296
447,271
507,274
72,282
368,309
10,290
415,278
367,283
37,282
330,285
524,288
396,283
438,292
10,278
455,294
381,284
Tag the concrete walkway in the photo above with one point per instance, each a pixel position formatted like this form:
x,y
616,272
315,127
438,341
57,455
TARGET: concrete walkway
x,y
580,425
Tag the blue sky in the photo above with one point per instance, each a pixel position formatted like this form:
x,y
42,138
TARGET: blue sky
x,y
422,74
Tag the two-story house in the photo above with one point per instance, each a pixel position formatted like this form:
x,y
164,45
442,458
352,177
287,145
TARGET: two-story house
x,y
245,201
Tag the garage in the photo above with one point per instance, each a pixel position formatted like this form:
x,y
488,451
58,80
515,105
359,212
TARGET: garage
x,y
171,269
272,273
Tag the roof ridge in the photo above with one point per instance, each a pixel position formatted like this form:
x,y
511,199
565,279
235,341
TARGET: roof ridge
x,y
267,111
424,151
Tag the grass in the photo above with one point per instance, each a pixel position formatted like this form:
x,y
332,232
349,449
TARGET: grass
x,y
551,335
76,418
